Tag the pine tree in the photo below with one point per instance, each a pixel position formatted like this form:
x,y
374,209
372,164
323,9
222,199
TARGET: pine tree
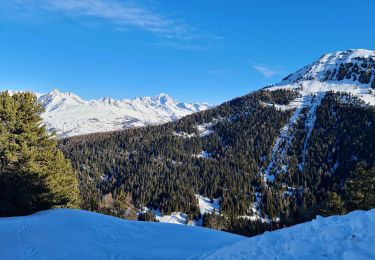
x,y
335,205
124,206
34,175
361,188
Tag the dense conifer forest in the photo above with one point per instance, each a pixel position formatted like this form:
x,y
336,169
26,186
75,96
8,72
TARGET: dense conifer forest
x,y
163,167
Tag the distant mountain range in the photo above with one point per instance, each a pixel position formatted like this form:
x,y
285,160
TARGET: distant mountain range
x,y
68,115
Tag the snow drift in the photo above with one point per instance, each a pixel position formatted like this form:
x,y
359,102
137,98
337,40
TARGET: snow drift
x,y
337,237
77,234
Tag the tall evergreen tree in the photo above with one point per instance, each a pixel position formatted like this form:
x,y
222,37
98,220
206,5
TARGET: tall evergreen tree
x,y
34,174
335,205
361,188
124,206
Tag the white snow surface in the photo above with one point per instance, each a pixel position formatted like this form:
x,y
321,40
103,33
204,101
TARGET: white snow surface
x,y
180,218
68,115
206,206
205,129
311,87
203,154
77,234
337,237
329,62
184,134
174,218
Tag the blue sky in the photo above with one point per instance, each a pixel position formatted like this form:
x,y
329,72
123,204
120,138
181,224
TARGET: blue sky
x,y
196,50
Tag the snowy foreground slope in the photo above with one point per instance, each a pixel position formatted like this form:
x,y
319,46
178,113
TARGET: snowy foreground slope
x,y
76,234
337,237
68,115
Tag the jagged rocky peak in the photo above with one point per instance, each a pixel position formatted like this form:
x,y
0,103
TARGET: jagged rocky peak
x,y
354,65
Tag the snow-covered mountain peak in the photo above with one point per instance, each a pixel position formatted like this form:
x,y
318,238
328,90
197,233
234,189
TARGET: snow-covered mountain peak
x,y
351,72
59,100
164,98
347,56
161,99
350,66
67,114
57,93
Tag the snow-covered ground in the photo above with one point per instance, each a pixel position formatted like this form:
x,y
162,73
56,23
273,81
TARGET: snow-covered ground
x,y
203,154
206,206
77,234
311,87
68,115
348,237
205,129
330,63
174,218
184,134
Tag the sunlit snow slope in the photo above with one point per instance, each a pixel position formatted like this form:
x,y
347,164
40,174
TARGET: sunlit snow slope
x,y
76,234
68,115
351,72
339,237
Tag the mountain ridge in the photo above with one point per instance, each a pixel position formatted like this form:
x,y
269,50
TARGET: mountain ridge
x,y
67,114
350,66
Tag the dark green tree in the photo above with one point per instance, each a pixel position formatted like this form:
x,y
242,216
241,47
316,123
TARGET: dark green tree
x,y
34,174
334,205
124,207
360,188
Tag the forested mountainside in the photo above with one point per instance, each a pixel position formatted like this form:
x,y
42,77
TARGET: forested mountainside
x,y
273,158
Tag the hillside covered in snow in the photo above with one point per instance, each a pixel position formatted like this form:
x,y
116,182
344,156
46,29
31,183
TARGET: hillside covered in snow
x,y
76,234
337,237
68,115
